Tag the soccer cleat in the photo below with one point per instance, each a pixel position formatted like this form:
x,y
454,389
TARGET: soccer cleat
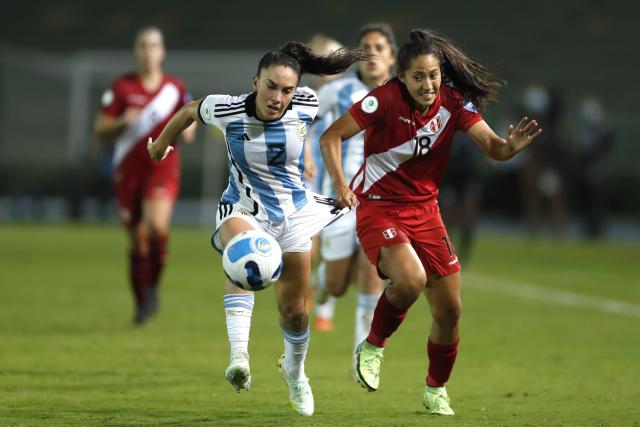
x,y
437,401
299,391
323,324
368,360
238,373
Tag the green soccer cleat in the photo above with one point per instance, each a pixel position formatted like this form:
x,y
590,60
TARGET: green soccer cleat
x,y
368,360
437,401
238,373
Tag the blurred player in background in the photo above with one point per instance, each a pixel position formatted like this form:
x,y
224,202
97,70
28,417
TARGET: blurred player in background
x,y
340,249
409,124
137,106
271,124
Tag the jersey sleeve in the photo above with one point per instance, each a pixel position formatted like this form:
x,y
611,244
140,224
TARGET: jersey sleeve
x,y
113,101
213,105
306,102
467,116
371,109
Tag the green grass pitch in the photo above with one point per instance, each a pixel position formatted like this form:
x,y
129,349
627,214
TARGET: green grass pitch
x,y
544,341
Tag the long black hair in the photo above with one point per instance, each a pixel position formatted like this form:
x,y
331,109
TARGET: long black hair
x,y
473,79
303,60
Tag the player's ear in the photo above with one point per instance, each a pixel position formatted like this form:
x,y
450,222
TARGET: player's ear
x,y
255,83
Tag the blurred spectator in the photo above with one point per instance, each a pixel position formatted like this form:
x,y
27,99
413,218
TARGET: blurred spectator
x,y
593,141
544,169
460,194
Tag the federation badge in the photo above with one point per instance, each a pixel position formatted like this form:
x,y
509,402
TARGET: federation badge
x,y
369,104
302,130
470,107
206,113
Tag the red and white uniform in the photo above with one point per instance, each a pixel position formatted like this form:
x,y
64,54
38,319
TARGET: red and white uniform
x,y
135,175
405,157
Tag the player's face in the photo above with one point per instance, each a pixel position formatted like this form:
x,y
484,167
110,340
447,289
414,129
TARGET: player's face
x,y
380,64
274,89
149,50
423,79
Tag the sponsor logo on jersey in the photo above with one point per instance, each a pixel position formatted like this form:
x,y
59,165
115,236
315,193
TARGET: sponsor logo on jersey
x,y
407,121
369,104
302,130
135,98
435,124
470,107
389,233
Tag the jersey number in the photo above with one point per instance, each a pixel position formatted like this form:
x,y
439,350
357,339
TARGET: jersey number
x,y
423,145
276,155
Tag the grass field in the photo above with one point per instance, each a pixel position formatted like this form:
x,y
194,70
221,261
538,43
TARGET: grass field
x,y
550,336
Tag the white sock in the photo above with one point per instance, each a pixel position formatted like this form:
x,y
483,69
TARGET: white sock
x,y
326,309
364,315
295,351
238,309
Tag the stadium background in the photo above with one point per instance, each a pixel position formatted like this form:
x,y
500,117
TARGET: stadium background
x,y
550,328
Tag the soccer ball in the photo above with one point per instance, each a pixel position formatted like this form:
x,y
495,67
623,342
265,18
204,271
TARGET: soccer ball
x,y
252,260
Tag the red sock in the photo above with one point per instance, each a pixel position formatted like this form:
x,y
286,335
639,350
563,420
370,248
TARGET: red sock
x,y
386,319
139,274
158,249
441,360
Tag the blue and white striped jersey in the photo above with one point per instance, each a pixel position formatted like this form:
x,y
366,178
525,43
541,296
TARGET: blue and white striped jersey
x,y
266,159
335,99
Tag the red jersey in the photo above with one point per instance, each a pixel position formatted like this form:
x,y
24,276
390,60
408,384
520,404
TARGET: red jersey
x,y
405,152
156,108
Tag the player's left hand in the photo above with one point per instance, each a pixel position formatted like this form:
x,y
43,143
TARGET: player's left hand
x,y
155,151
522,134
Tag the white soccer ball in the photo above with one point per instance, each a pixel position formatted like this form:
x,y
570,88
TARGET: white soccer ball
x,y
252,260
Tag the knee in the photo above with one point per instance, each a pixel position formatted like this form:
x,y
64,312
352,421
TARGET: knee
x,y
449,314
294,316
410,283
336,288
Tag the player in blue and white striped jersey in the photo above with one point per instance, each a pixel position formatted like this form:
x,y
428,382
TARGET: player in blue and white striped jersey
x,y
339,247
265,134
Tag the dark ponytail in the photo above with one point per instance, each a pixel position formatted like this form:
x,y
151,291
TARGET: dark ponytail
x,y
303,60
473,79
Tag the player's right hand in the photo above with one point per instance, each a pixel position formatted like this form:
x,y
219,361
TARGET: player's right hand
x,y
156,152
346,198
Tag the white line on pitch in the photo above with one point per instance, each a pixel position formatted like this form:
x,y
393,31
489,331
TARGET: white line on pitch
x,y
539,293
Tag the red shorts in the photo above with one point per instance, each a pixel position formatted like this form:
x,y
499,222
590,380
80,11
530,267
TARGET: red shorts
x,y
418,224
137,180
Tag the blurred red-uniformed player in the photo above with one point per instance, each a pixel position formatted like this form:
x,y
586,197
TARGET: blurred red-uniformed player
x,y
137,106
409,124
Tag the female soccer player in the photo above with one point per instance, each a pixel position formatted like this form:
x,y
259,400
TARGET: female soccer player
x,y
137,107
265,133
409,123
340,248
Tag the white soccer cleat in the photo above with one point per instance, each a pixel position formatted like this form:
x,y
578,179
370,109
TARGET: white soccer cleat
x,y
238,373
299,391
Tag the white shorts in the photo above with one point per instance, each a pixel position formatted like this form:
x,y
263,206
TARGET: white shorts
x,y
294,233
339,240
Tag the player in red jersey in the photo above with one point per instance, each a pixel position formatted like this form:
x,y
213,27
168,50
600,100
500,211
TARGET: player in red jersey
x,y
137,106
409,123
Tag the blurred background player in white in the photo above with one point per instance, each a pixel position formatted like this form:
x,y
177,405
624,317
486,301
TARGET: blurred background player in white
x,y
340,250
265,132
136,107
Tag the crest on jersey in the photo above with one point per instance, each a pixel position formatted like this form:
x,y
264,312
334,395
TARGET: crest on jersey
x,y
435,124
302,130
470,107
369,104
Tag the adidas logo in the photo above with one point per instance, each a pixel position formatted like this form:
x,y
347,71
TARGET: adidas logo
x,y
245,137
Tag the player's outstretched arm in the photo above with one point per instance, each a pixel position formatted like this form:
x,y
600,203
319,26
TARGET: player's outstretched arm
x,y
161,147
518,137
331,146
